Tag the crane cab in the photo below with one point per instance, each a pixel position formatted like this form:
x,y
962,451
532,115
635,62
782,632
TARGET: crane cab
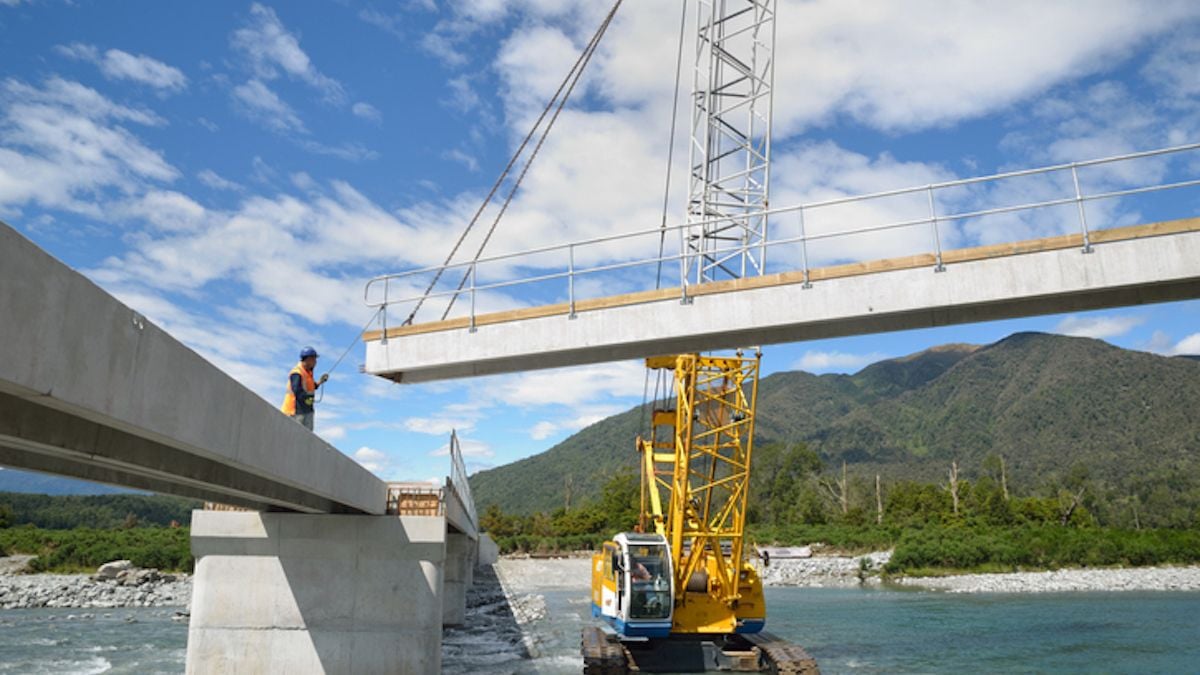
x,y
632,584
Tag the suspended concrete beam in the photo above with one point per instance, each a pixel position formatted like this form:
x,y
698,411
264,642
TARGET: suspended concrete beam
x,y
91,389
1127,266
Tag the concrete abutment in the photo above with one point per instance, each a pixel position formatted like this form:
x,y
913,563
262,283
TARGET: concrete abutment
x,y
461,555
301,593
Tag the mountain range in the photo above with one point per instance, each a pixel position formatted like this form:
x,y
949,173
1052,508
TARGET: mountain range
x,y
1047,404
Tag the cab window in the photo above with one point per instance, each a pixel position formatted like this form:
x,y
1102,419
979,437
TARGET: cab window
x,y
650,582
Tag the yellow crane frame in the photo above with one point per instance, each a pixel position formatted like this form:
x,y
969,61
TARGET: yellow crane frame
x,y
696,464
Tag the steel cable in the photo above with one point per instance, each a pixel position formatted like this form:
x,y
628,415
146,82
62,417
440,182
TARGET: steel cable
x,y
573,77
504,174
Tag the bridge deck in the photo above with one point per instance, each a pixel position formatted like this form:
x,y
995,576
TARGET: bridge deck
x,y
90,389
1130,265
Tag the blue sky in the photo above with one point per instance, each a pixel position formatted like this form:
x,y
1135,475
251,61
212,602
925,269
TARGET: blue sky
x,y
236,170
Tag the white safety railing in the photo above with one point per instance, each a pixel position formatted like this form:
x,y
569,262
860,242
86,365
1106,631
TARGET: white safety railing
x,y
378,291
458,482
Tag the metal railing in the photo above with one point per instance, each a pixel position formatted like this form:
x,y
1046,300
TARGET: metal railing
x,y
569,270
458,482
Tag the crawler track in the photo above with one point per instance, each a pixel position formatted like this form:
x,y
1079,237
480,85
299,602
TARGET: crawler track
x,y
763,653
783,657
602,656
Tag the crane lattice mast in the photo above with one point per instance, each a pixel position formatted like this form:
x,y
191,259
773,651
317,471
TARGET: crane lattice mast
x,y
730,149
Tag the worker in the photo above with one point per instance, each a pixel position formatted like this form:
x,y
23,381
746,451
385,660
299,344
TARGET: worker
x,y
640,573
302,389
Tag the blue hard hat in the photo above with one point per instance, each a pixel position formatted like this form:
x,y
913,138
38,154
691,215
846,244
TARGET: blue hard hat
x,y
307,352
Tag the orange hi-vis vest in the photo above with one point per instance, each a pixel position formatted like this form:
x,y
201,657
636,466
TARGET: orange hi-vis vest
x,y
289,400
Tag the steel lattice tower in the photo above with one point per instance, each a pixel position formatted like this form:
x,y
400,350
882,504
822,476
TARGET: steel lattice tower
x,y
730,150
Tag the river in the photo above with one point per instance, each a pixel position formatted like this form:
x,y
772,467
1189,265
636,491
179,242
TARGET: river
x,y
848,630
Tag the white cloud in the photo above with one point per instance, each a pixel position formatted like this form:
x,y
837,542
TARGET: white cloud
x,y
1176,68
437,426
213,180
442,48
116,64
456,155
261,104
835,361
921,64
303,181
891,66
1189,345
271,48
330,433
351,152
61,147
1098,327
470,449
375,461
121,65
569,386
166,210
366,111
462,94
543,430
391,23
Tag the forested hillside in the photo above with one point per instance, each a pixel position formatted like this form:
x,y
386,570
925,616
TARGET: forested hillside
x,y
1052,410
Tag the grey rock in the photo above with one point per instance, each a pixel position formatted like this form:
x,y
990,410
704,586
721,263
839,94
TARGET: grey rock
x,y
110,570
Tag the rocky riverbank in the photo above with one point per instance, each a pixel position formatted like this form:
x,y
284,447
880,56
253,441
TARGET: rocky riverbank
x,y
117,584
1063,581
825,571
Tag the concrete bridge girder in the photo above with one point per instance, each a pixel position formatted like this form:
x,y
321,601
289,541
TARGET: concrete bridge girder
x,y
760,311
93,383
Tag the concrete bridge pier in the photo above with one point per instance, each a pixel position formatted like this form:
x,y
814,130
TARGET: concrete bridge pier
x,y
303,593
461,556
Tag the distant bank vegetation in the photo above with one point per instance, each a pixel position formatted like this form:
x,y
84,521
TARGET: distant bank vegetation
x,y
983,524
80,533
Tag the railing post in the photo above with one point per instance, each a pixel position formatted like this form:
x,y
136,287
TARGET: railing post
x,y
1087,239
937,237
474,265
383,311
804,250
684,299
571,279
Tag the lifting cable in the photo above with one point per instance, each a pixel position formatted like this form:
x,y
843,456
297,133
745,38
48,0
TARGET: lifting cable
x,y
357,337
570,80
662,233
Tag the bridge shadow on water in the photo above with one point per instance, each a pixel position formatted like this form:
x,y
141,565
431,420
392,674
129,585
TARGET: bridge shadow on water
x,y
491,639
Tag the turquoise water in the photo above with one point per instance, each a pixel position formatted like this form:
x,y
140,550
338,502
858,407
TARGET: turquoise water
x,y
907,631
847,630
875,631
62,641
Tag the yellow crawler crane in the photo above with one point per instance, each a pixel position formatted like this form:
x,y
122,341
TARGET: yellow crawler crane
x,y
696,464
681,594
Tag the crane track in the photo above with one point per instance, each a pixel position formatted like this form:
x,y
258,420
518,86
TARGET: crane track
x,y
601,656
783,657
